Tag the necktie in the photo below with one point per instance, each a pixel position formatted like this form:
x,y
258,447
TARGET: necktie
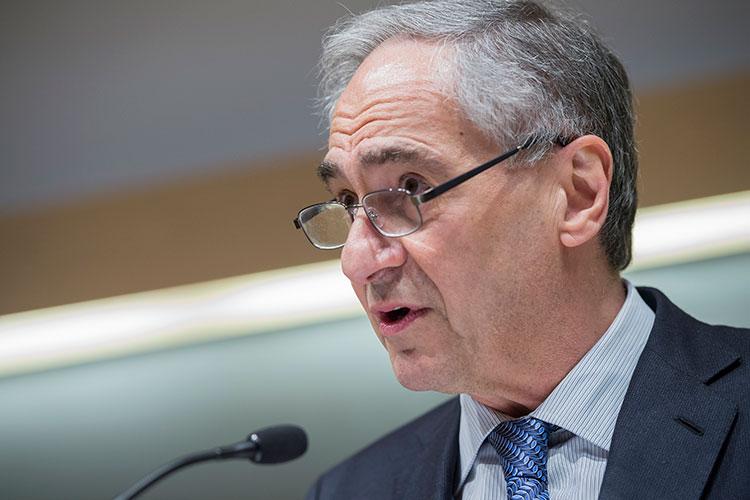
x,y
522,446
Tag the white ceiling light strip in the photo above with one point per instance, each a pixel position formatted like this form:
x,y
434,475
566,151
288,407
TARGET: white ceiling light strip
x,y
147,321
691,230
71,334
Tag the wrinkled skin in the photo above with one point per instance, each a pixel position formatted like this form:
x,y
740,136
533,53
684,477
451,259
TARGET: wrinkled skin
x,y
488,266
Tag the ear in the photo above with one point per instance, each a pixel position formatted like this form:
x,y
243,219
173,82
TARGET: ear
x,y
586,174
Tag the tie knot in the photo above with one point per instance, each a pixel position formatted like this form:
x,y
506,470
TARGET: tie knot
x,y
522,446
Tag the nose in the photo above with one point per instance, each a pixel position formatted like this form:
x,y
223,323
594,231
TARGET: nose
x,y
367,253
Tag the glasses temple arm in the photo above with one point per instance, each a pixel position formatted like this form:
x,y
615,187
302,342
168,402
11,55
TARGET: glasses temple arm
x,y
442,188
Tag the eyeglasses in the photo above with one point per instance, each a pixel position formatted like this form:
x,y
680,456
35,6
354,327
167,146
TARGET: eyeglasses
x,y
392,212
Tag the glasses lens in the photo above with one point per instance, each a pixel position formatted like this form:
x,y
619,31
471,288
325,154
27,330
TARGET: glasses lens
x,y
326,224
393,212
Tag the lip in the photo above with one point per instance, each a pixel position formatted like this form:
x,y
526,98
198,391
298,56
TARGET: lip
x,y
390,326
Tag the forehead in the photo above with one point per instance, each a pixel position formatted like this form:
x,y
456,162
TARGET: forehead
x,y
396,107
394,67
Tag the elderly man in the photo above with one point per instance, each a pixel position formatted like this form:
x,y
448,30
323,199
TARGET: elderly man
x,y
483,168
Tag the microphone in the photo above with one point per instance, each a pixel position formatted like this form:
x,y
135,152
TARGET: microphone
x,y
272,445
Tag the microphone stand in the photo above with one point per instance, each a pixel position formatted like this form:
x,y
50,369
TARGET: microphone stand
x,y
272,445
243,449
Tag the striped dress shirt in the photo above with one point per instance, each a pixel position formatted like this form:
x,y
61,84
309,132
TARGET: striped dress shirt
x,y
585,405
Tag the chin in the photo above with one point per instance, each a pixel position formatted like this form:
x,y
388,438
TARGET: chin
x,y
422,374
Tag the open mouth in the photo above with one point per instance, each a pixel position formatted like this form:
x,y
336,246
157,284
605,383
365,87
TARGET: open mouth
x,y
396,320
392,317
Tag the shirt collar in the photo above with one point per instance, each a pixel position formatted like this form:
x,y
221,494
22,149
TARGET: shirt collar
x,y
477,421
588,399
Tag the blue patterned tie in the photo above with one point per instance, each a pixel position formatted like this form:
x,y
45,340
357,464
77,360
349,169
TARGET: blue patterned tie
x,y
522,446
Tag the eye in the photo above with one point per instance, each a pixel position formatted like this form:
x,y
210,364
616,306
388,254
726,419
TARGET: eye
x,y
347,198
414,184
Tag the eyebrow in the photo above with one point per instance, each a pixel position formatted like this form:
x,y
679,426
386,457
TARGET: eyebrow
x,y
389,155
328,170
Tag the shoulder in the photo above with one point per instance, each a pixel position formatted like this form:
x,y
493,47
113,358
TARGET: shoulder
x,y
699,370
674,320
366,474
716,355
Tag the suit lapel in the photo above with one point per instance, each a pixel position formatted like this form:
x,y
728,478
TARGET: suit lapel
x,y
432,472
672,424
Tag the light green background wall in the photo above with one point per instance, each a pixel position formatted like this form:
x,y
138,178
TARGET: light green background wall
x,y
87,432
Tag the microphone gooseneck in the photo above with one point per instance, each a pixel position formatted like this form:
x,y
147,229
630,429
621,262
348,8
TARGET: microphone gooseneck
x,y
271,445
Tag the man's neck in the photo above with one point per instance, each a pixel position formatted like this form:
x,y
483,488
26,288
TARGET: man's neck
x,y
573,323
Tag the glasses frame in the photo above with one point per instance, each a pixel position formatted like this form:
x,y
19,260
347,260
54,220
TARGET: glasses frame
x,y
419,199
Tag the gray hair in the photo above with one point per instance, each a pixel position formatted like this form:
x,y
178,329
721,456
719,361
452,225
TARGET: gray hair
x,y
518,69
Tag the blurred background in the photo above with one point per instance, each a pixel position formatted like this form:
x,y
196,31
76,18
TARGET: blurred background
x,y
152,303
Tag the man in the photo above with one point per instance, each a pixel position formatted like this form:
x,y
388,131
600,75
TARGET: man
x,y
483,168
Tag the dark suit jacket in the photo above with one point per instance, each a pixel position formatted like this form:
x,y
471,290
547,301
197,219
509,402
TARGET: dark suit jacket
x,y
683,431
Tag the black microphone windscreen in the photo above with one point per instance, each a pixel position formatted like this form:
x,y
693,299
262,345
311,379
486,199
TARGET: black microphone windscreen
x,y
279,443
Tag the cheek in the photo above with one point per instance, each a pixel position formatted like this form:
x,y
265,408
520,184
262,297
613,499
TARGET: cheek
x,y
445,237
431,259
452,277
473,272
